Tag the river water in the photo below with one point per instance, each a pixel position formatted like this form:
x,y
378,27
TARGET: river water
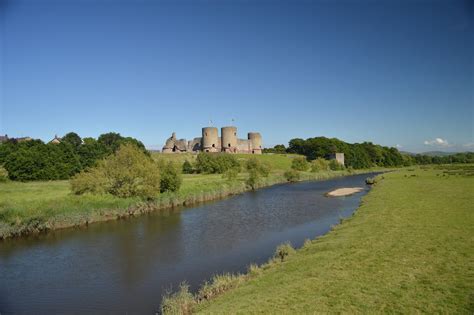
x,y
126,266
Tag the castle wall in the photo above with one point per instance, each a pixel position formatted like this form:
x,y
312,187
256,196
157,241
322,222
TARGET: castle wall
x,y
255,142
210,139
243,146
229,139
211,142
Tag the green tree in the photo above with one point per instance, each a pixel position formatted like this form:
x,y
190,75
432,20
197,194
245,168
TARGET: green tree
x,y
127,173
170,178
73,139
92,151
280,148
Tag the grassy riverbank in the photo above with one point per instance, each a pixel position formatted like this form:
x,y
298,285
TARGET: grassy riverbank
x,y
40,206
407,249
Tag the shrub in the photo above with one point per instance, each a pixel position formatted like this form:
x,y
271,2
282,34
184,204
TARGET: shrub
x,y
127,173
218,285
254,270
253,164
181,302
216,163
256,170
3,174
292,175
335,165
230,175
370,181
284,250
91,181
170,178
187,167
320,164
300,164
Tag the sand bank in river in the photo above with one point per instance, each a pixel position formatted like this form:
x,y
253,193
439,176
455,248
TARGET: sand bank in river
x,y
344,191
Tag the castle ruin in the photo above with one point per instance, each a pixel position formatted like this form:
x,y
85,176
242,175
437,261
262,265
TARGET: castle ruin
x,y
210,141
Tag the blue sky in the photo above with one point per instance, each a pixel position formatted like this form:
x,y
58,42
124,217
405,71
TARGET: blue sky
x,y
397,73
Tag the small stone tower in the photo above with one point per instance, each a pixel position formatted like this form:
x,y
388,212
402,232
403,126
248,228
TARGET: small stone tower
x,y
210,139
255,140
229,139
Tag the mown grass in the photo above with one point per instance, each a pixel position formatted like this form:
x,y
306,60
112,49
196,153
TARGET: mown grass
x,y
40,206
407,249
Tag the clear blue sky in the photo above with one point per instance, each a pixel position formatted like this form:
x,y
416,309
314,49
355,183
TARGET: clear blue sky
x,y
390,72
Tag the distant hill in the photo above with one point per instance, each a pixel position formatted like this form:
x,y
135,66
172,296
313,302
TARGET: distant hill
x,y
439,153
431,153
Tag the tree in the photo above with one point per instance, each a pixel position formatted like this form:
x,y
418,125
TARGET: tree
x,y
127,173
170,178
92,151
111,140
280,148
296,146
73,139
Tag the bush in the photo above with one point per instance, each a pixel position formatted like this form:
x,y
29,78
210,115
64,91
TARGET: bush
x,y
90,181
300,164
256,170
216,163
230,175
187,167
127,173
253,164
292,175
181,302
320,164
284,250
370,181
3,174
335,165
170,178
218,285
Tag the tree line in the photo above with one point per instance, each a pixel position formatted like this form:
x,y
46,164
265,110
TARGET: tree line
x,y
363,155
36,160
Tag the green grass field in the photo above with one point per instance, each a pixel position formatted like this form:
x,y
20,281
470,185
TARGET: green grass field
x,y
278,162
38,206
408,249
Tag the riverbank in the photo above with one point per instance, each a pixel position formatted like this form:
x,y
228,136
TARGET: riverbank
x,y
407,249
37,207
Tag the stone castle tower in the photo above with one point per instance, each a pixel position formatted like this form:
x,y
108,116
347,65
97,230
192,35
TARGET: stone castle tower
x,y
210,141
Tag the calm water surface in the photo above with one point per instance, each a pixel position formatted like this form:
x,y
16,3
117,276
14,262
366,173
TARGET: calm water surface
x,y
126,266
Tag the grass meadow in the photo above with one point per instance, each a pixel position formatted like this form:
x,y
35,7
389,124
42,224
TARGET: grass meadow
x,y
407,249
